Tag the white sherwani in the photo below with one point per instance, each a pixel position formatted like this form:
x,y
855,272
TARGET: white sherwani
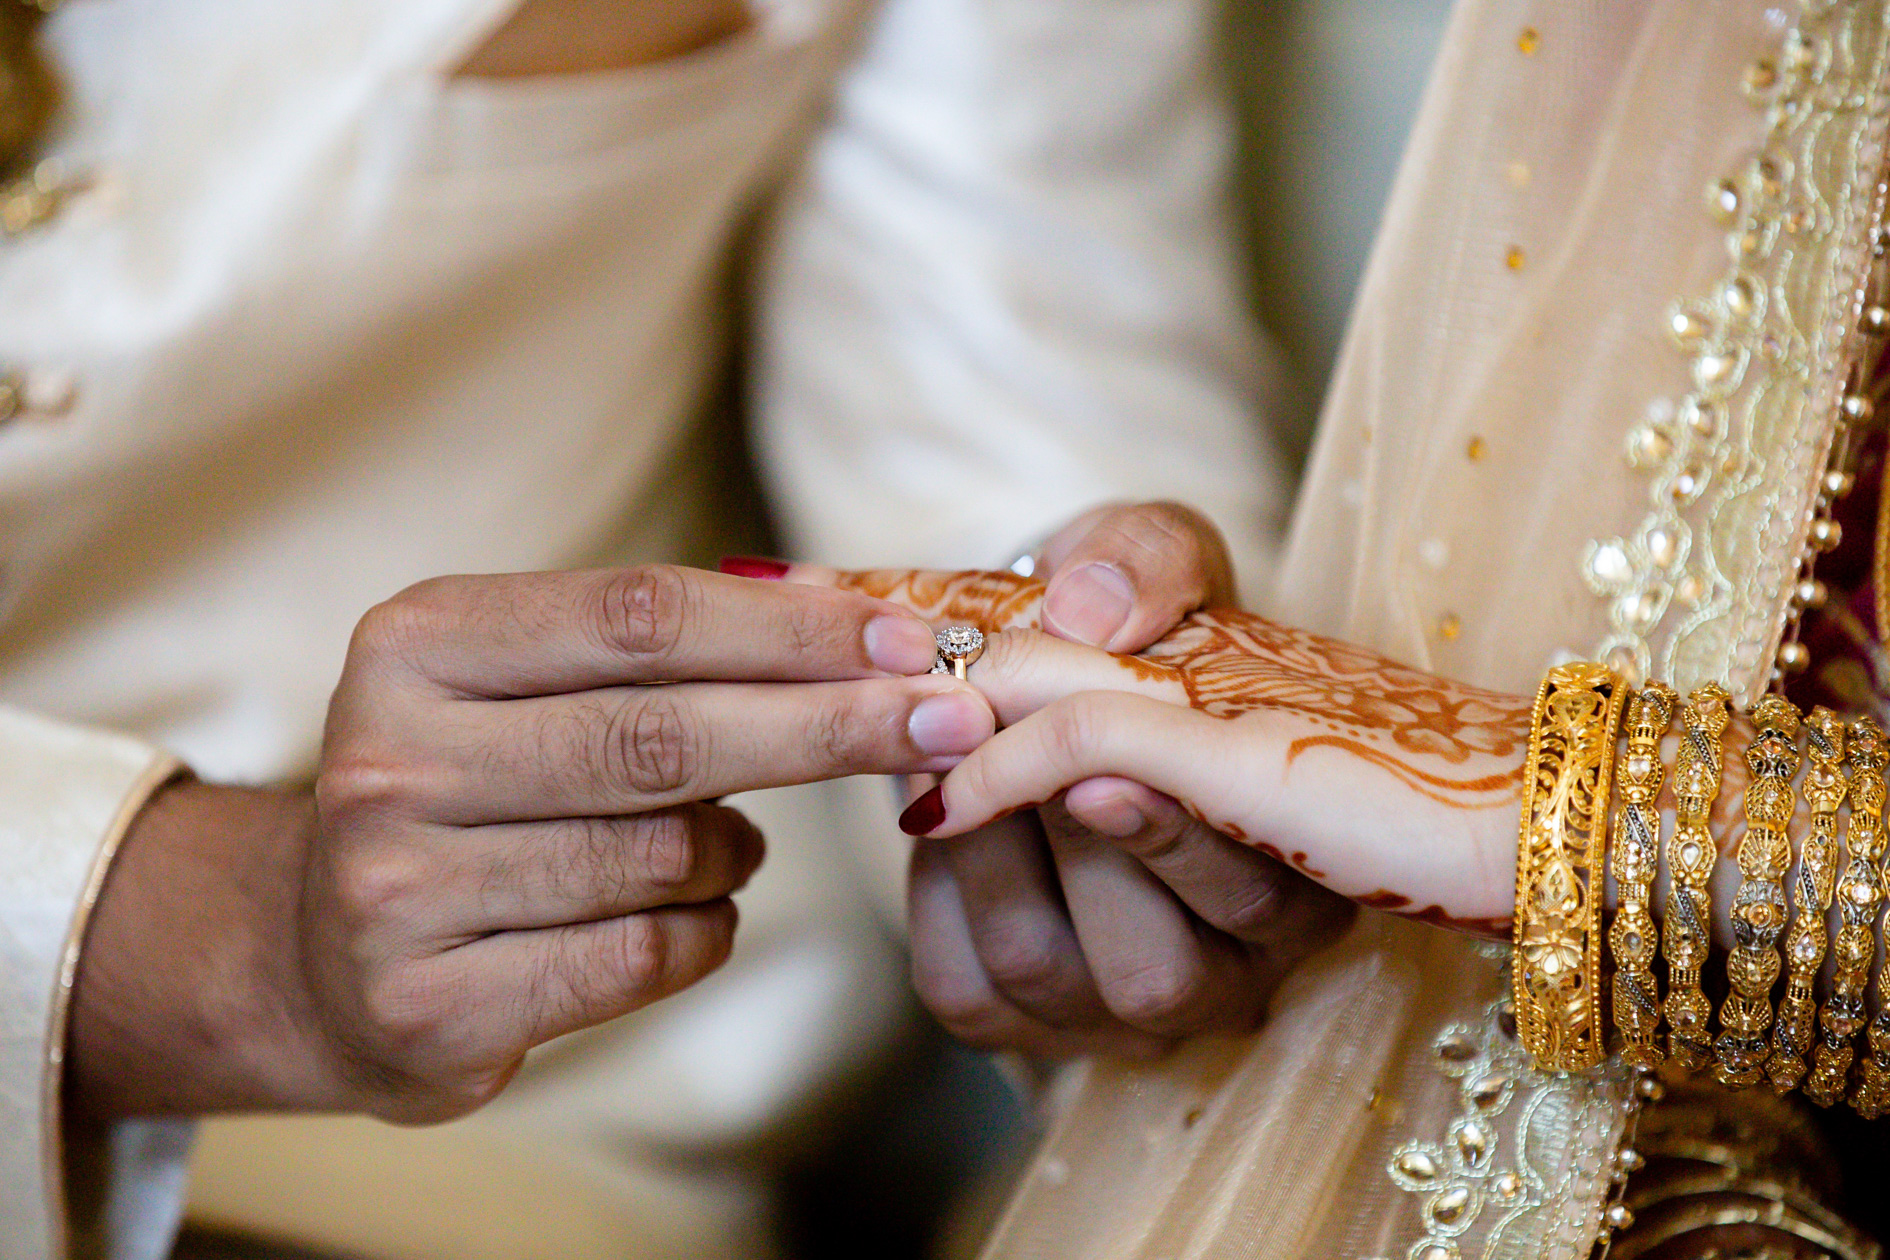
x,y
328,321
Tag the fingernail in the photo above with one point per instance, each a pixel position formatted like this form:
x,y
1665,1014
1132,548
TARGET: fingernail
x,y
754,567
1089,604
924,814
900,645
949,725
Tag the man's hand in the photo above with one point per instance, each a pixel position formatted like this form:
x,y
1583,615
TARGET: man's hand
x,y
512,836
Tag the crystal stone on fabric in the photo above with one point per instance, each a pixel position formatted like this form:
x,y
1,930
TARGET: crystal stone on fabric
x,y
1478,1192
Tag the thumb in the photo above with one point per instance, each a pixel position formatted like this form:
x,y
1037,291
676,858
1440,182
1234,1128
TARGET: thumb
x,y
1133,574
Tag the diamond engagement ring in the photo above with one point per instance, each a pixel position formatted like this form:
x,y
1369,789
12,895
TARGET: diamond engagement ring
x,y
958,647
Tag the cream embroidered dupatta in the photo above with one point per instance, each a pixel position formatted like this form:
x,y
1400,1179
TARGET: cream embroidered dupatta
x,y
1595,373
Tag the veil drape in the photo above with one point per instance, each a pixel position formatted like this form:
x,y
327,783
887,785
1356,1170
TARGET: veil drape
x,y
1593,378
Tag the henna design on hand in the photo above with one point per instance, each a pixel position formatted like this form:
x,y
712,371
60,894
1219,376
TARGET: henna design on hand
x,y
990,600
1235,663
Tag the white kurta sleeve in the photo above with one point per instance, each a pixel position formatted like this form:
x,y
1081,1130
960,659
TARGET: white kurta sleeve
x,y
67,796
1004,286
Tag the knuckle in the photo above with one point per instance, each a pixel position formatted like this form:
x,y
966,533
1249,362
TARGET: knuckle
x,y
667,850
811,628
462,1095
650,745
835,732
1022,953
409,620
359,777
1071,726
644,611
640,959
959,1001
1252,909
1158,995
403,1015
382,886
603,974
1007,653
1163,532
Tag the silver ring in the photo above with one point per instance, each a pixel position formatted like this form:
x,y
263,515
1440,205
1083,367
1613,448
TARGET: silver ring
x,y
958,647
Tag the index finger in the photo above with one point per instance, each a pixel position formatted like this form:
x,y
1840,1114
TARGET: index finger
x,y
507,635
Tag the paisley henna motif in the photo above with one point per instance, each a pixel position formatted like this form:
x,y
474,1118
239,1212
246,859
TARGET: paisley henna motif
x,y
1235,663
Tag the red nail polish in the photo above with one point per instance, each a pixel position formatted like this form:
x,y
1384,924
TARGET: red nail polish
x,y
754,567
925,814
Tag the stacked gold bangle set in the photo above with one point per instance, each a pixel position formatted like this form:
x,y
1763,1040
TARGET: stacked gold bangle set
x,y
1582,989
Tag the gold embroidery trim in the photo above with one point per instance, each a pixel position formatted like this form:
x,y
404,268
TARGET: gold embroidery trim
x,y
1686,935
1826,785
1562,843
1633,857
1702,586
1759,911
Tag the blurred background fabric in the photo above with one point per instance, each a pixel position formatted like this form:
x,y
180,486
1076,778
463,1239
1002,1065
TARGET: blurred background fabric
x,y
1327,90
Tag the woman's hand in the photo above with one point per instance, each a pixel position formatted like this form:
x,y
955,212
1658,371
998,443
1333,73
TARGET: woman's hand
x,y
1113,921
1393,787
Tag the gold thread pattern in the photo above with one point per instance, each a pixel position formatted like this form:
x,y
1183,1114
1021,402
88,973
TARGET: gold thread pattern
x,y
1563,840
1826,784
1768,349
1872,1094
1634,857
1482,1189
1859,893
1759,911
1691,854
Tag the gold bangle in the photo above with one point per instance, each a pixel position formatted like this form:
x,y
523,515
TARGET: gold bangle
x,y
1563,841
1759,912
1859,892
1634,856
1691,854
1826,785
1873,1085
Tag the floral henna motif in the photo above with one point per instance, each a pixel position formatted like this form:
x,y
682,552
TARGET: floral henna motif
x,y
991,601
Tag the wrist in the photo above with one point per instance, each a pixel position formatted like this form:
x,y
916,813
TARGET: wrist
x,y
191,994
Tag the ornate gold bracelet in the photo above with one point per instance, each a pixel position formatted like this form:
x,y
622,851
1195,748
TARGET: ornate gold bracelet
x,y
1691,855
1758,915
1634,856
1872,1094
1826,784
1563,841
1859,892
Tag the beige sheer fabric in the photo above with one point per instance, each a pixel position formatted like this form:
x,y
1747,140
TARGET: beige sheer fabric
x,y
1582,410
